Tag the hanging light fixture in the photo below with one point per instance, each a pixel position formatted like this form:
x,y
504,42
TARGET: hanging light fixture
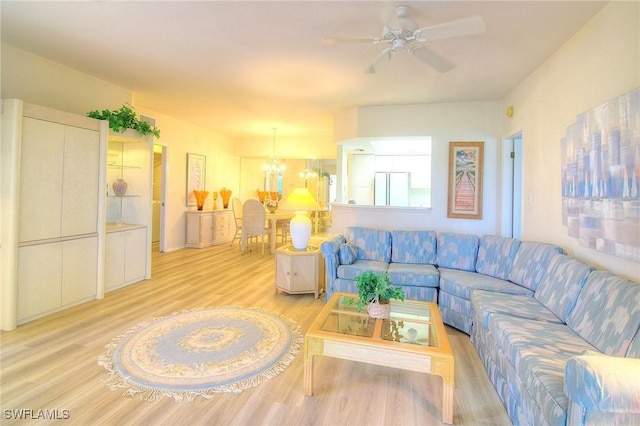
x,y
309,173
273,166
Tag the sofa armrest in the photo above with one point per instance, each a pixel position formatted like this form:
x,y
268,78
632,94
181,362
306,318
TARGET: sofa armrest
x,y
602,386
330,249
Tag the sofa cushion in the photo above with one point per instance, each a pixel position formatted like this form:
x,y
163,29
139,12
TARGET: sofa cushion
x,y
539,350
457,251
413,247
350,272
348,253
561,284
372,243
490,302
607,313
495,255
531,262
411,274
425,294
463,283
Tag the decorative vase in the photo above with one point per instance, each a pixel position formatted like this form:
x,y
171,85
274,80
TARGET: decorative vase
x,y
379,310
200,197
272,208
261,195
120,187
225,194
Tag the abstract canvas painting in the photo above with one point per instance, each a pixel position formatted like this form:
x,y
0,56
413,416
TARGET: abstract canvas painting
x,y
601,177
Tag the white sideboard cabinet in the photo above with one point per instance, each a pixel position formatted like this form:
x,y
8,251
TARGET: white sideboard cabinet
x,y
207,228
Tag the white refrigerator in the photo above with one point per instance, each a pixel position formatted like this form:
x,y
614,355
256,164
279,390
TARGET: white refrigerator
x,y
391,189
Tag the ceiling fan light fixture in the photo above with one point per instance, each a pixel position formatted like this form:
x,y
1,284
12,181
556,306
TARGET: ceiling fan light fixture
x,y
402,33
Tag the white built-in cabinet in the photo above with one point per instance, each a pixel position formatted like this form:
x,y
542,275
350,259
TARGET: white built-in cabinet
x,y
65,236
54,211
207,228
128,242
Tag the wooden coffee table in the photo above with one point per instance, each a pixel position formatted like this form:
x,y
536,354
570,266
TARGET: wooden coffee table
x,y
414,339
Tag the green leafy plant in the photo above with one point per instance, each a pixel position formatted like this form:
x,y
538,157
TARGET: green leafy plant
x,y
123,119
372,286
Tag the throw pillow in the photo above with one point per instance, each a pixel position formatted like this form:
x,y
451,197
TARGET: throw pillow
x,y
348,253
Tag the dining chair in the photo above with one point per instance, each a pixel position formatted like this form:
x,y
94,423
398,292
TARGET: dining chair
x,y
282,230
254,221
236,205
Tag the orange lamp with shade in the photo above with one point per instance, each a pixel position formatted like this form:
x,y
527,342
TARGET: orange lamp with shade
x,y
301,201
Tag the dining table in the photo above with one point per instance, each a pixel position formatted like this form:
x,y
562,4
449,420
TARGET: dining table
x,y
272,219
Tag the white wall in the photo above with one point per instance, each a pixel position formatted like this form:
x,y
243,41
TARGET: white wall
x,y
601,62
447,122
40,81
29,77
286,146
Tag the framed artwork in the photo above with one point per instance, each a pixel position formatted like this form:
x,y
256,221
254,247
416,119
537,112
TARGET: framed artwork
x,y
196,174
600,177
465,180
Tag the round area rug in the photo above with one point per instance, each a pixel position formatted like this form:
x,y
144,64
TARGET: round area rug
x,y
199,352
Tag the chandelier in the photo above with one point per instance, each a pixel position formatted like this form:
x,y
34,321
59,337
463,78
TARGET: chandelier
x,y
273,166
307,174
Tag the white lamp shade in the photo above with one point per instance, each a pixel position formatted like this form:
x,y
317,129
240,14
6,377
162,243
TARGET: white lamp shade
x,y
300,200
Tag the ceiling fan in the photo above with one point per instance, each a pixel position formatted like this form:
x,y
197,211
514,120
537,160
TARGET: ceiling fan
x,y
402,33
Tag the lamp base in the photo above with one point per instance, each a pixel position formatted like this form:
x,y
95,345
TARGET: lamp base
x,y
300,230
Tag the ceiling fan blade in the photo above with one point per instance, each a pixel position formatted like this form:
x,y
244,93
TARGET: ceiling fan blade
x,y
336,40
432,58
458,28
383,57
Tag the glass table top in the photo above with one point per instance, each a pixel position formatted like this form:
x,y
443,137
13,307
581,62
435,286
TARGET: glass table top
x,y
409,322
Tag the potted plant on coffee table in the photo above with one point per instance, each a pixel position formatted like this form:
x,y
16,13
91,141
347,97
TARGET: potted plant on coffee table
x,y
375,291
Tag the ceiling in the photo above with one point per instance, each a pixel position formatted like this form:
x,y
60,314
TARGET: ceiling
x,y
246,67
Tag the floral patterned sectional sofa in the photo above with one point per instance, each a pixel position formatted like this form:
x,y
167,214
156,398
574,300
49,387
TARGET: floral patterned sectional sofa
x,y
560,340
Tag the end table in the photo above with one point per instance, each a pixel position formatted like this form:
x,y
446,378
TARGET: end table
x,y
299,271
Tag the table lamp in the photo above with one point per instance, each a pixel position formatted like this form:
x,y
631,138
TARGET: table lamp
x,y
301,201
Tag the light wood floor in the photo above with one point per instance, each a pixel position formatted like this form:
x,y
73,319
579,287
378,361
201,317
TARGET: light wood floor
x,y
50,364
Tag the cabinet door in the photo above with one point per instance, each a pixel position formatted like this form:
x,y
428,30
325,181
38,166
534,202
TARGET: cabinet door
x,y
41,170
79,269
283,271
115,247
304,273
206,229
193,230
80,181
39,279
135,255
